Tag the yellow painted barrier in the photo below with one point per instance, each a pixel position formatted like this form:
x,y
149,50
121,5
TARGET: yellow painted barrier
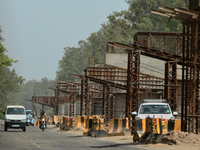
x,y
63,124
78,121
156,129
88,126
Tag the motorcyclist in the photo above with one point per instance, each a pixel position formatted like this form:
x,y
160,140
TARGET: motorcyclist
x,y
41,116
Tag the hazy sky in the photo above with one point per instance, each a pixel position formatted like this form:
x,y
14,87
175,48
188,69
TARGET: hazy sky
x,y
36,31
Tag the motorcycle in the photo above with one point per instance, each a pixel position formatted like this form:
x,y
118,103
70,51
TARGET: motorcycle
x,y
42,124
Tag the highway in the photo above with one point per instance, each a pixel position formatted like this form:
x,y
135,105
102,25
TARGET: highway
x,y
54,139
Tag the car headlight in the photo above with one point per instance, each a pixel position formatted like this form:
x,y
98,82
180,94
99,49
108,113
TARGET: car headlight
x,y
7,120
23,120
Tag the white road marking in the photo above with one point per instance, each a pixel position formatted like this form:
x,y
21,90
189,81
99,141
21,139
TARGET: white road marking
x,y
30,141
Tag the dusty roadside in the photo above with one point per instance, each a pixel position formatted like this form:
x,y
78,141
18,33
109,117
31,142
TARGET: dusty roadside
x,y
175,140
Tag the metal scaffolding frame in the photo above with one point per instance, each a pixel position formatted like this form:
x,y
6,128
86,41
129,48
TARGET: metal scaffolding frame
x,y
171,84
190,105
108,103
133,81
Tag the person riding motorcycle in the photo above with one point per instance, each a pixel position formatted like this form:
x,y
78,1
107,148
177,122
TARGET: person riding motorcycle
x,y
41,116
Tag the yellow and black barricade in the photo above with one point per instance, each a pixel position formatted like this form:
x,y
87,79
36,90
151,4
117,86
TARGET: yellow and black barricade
x,y
66,124
148,131
156,129
88,126
63,124
78,124
117,127
139,129
71,124
99,131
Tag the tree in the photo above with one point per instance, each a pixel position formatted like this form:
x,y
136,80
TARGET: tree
x,y
9,81
73,61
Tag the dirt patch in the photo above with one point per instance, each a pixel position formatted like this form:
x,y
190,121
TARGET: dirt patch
x,y
181,138
78,129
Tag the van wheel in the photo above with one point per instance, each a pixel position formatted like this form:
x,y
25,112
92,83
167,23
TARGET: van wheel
x,y
5,128
24,129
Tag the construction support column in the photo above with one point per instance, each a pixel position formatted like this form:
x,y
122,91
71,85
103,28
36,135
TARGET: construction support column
x,y
56,107
133,90
171,84
86,97
82,112
108,103
190,92
72,101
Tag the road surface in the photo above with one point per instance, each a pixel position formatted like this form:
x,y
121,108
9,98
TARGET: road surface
x,y
54,139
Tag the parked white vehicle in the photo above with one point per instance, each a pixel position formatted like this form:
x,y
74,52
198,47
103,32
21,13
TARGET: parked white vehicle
x,y
15,117
158,108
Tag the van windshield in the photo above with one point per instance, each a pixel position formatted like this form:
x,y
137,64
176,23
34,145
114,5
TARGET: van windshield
x,y
15,111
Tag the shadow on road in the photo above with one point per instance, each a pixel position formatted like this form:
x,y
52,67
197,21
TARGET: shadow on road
x,y
118,145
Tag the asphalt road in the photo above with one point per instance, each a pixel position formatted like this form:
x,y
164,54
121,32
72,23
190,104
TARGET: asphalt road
x,y
54,139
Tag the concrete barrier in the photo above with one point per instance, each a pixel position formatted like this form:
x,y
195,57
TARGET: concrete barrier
x,y
156,129
64,123
78,123
88,126
99,129
117,127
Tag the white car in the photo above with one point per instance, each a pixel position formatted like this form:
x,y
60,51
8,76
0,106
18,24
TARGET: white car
x,y
15,117
157,108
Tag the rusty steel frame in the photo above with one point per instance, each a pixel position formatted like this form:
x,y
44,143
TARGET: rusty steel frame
x,y
146,51
171,84
72,101
86,97
73,90
108,103
132,92
190,106
190,103
56,107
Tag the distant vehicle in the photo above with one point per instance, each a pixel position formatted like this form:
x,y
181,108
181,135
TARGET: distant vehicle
x,y
158,108
29,118
15,117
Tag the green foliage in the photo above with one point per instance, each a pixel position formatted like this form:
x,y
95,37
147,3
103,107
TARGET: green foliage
x,y
29,89
4,59
72,62
1,38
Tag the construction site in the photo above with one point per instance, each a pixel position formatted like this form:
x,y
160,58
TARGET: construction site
x,y
158,65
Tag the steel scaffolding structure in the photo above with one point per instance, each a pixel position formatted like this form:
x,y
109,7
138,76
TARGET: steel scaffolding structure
x,y
190,105
133,81
171,84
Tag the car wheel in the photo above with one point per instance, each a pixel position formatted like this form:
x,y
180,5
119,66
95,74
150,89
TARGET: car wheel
x,y
5,128
24,129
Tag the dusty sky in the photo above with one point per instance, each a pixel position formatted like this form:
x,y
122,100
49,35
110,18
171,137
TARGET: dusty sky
x,y
36,31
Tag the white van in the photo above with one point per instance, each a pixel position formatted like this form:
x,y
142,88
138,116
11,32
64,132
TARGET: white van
x,y
15,117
